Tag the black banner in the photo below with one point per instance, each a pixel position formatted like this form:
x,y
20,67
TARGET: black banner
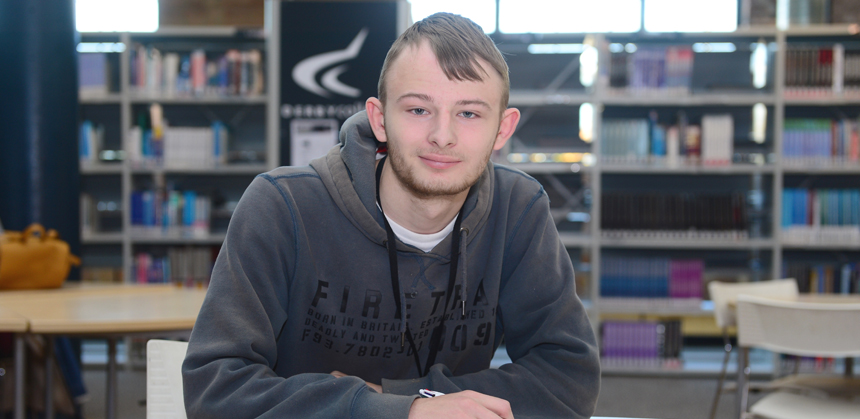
x,y
331,56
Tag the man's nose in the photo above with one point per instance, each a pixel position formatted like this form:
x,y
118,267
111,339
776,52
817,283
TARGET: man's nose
x,y
443,133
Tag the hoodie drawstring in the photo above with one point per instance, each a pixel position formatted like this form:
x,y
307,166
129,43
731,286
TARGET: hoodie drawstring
x,y
457,248
465,263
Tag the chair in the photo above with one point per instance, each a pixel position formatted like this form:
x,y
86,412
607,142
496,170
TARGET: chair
x,y
812,329
724,295
164,398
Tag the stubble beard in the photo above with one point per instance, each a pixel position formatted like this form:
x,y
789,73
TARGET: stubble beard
x,y
424,189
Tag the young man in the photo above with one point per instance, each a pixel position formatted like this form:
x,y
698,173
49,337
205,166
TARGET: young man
x,y
344,288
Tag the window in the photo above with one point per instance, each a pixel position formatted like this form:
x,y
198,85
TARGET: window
x,y
116,15
589,16
482,12
569,16
691,16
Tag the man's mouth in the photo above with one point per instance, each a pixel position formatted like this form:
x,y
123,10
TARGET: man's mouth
x,y
439,161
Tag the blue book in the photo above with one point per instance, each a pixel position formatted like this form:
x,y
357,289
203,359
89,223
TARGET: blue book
x,y
658,140
148,205
189,211
136,208
84,147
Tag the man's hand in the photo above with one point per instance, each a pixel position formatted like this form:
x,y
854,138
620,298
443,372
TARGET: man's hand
x,y
376,387
465,404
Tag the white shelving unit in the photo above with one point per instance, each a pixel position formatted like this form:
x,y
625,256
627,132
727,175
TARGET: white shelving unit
x,y
127,99
593,240
533,102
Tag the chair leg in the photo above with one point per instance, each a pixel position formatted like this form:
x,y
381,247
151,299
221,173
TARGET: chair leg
x,y
743,381
727,345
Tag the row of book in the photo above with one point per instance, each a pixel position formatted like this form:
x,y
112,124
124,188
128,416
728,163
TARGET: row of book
x,y
820,207
673,211
808,66
641,344
179,147
230,73
185,266
95,75
170,212
824,278
791,364
643,140
651,277
665,69
90,141
821,140
101,274
811,70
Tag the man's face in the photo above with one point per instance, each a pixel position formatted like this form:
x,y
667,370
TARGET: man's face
x,y
440,132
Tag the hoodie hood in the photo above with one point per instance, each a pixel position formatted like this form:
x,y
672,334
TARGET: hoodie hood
x,y
347,172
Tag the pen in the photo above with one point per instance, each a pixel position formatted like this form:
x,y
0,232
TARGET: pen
x,y
429,393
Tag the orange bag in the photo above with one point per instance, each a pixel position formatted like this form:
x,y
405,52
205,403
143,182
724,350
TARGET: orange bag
x,y
34,259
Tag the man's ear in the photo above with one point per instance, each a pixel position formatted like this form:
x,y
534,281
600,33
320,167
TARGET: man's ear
x,y
377,118
507,126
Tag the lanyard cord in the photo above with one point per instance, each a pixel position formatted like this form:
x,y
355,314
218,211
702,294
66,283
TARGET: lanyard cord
x,y
391,244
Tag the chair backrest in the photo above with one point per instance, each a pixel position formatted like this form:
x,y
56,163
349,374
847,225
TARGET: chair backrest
x,y
799,328
164,399
725,293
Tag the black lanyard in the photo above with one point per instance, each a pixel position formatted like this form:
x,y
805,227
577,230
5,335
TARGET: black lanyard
x,y
391,244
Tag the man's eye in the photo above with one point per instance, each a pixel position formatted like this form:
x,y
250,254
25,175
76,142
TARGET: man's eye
x,y
419,111
468,115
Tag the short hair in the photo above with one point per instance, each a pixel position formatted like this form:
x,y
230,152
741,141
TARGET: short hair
x,y
458,43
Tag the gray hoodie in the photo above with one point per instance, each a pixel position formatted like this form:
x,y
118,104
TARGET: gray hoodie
x,y
302,287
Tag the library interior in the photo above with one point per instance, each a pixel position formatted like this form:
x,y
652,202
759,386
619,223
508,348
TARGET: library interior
x,y
701,160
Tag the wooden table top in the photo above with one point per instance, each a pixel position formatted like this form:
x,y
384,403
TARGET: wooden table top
x,y
106,309
11,321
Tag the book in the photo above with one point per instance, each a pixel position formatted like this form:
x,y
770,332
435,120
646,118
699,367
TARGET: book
x,y
183,266
652,69
93,74
180,147
653,214
171,212
196,73
672,283
717,140
642,344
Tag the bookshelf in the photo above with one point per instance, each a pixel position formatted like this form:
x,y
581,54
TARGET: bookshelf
x,y
759,168
134,72
577,174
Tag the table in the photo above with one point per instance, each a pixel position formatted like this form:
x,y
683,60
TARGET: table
x,y
802,299
12,322
102,311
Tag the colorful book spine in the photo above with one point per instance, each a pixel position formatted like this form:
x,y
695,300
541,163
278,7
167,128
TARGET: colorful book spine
x,y
824,278
183,266
657,278
645,344
171,212
199,73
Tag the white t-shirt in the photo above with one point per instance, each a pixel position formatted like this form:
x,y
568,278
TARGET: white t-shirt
x,y
425,242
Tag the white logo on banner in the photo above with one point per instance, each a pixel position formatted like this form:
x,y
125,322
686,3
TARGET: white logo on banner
x,y
305,72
